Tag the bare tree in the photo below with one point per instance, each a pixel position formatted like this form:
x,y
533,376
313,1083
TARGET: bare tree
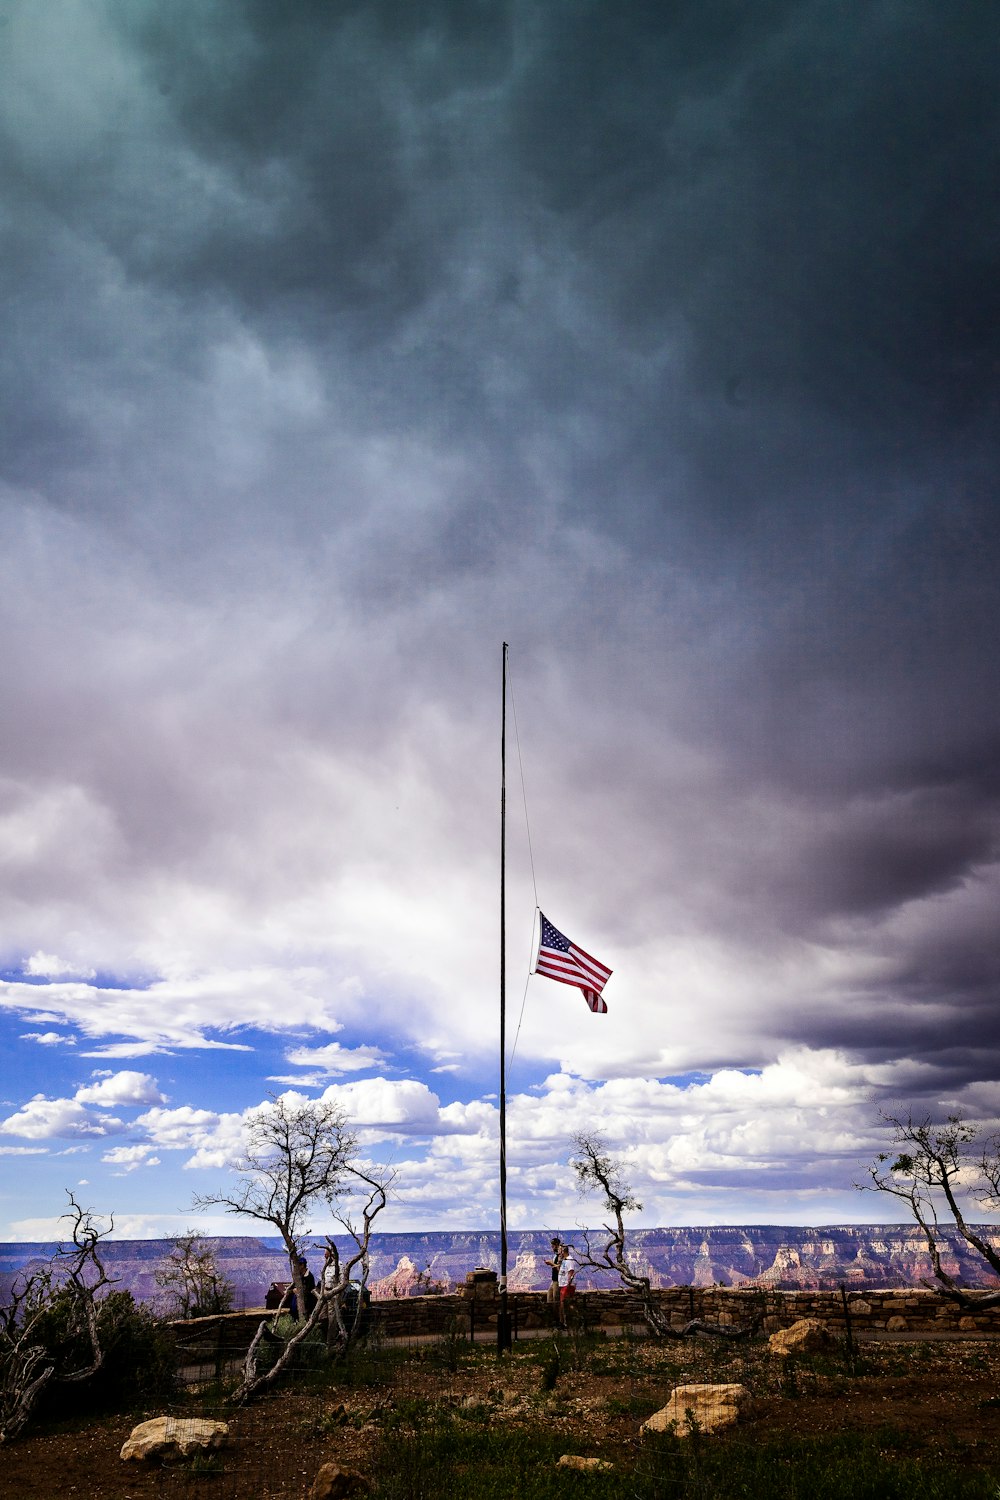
x,y
301,1156
597,1171
191,1277
933,1169
65,1291
343,1299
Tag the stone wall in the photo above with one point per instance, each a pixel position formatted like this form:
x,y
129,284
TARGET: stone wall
x,y
910,1310
871,1312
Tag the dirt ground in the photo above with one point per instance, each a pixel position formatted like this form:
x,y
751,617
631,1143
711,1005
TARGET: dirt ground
x,y
937,1400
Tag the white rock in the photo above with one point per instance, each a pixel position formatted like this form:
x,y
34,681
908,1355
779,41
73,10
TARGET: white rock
x,y
710,1406
175,1437
804,1337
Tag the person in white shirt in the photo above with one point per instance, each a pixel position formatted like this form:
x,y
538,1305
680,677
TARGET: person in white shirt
x,y
567,1285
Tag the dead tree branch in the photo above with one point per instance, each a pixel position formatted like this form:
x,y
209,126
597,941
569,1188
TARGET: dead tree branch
x,y
51,1311
932,1169
597,1171
301,1155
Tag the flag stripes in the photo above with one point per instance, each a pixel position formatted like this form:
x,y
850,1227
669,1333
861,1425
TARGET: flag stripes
x,y
561,960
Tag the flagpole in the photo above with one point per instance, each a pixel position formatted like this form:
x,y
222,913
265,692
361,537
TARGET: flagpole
x,y
503,1315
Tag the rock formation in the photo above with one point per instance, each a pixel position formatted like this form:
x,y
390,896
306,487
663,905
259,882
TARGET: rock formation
x,y
167,1439
780,1256
705,1407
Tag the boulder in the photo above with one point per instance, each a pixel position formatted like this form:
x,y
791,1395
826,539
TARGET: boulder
x,y
332,1483
171,1438
710,1407
575,1461
807,1336
896,1324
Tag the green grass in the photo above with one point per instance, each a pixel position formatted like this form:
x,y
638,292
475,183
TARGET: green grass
x,y
433,1454
498,1431
206,1466
467,1439
636,1406
447,1456
845,1467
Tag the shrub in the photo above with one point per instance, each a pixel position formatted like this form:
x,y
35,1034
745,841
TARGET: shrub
x,y
139,1365
192,1279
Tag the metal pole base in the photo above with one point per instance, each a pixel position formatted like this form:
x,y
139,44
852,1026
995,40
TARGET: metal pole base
x,y
503,1326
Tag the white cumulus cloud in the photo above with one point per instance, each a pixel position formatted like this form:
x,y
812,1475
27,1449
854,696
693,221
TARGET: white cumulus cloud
x,y
129,1158
215,1140
44,1119
401,1105
333,1059
50,966
121,1089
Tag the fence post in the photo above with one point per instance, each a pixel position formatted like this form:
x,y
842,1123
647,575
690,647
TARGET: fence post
x,y
848,1324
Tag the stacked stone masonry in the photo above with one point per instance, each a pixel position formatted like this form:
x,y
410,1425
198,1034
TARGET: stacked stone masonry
x,y
871,1312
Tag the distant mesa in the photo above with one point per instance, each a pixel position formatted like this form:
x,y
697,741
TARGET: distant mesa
x,y
410,1265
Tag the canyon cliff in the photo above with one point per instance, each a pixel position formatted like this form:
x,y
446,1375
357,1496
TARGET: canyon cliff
x,y
402,1265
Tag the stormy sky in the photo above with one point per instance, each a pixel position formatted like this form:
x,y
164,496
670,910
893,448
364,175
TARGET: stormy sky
x,y
343,340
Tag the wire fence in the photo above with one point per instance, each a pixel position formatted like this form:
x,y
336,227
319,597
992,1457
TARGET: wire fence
x,y
423,1405
403,1412
444,1413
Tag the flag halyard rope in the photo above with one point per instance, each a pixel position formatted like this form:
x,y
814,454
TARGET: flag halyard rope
x,y
520,769
531,858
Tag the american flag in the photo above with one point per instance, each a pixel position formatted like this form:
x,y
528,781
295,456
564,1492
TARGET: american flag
x,y
560,959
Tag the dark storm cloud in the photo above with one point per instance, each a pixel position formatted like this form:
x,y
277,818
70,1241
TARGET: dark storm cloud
x,y
803,200
878,854
795,204
818,206
341,134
